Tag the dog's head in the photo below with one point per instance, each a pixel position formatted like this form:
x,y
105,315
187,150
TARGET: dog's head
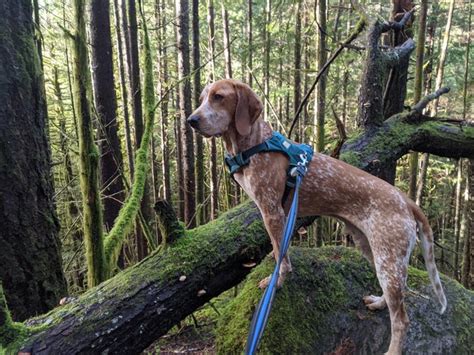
x,y
226,105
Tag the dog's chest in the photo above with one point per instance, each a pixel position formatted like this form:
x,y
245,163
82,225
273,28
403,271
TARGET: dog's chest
x,y
244,182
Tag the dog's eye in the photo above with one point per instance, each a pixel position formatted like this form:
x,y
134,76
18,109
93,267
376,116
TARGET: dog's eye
x,y
218,97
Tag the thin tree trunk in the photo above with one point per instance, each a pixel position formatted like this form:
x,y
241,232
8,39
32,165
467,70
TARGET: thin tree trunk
x,y
30,257
420,50
106,107
214,175
89,155
297,64
200,214
119,25
182,13
266,61
136,96
249,42
160,24
321,86
457,220
226,37
443,56
467,228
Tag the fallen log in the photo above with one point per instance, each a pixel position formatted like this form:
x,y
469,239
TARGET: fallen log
x,y
125,314
319,310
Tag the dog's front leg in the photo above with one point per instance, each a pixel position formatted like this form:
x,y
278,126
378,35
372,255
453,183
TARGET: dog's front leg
x,y
274,220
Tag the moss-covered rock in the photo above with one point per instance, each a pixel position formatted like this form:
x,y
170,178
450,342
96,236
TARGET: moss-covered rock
x,y
320,310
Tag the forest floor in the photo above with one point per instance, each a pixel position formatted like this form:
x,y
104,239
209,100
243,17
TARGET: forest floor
x,y
196,334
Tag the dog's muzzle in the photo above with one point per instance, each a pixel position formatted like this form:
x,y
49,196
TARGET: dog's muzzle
x,y
193,121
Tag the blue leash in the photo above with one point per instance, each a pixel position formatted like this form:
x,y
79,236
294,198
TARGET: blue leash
x,y
260,317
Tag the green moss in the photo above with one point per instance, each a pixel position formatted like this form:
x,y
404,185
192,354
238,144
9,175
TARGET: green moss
x,y
351,157
320,305
11,333
316,292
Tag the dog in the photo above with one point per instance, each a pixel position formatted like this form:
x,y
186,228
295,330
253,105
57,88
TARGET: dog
x,y
382,220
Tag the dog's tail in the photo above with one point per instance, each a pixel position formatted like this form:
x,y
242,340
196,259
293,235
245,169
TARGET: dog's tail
x,y
426,237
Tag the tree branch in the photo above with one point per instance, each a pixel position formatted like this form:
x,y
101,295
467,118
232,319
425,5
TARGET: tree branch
x,y
395,55
421,105
397,25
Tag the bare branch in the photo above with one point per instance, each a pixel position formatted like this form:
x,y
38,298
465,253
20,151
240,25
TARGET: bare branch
x,y
358,29
398,25
421,105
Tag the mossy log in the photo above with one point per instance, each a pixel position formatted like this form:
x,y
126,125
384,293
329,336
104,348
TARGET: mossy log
x,y
319,310
375,149
125,314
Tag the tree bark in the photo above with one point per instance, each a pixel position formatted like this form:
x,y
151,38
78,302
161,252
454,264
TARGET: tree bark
x,y
89,155
121,29
467,229
214,206
30,259
106,107
200,176
320,97
162,62
420,51
182,13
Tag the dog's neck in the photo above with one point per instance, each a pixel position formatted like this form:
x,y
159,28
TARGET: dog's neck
x,y
235,143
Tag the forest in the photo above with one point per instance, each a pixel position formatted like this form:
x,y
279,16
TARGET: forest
x,y
121,229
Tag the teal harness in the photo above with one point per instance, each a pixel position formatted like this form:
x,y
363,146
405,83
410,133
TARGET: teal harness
x,y
299,155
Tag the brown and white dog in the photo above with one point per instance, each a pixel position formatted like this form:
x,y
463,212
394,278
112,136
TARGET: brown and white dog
x,y
382,220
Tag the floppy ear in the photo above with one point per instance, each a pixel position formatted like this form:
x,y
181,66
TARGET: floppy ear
x,y
249,107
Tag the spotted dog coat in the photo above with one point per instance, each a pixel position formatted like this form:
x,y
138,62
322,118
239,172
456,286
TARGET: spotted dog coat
x,y
382,220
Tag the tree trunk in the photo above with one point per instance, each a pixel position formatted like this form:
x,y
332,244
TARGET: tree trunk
x,y
122,26
320,107
160,11
457,220
226,37
106,107
467,229
89,155
420,50
136,95
297,64
30,259
200,177
266,60
182,13
213,149
249,43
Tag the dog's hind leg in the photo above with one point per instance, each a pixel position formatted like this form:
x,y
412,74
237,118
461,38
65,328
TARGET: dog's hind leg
x,y
372,302
391,255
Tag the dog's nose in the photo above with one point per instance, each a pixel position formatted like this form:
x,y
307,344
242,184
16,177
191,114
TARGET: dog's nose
x,y
193,121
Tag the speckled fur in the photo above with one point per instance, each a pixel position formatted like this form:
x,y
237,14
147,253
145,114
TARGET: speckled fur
x,y
382,220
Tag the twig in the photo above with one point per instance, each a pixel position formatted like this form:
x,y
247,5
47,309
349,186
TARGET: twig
x,y
358,29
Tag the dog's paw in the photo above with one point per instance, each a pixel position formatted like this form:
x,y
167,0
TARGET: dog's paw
x,y
264,282
375,302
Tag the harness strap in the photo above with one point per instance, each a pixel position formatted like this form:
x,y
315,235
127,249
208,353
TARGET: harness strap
x,y
299,156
